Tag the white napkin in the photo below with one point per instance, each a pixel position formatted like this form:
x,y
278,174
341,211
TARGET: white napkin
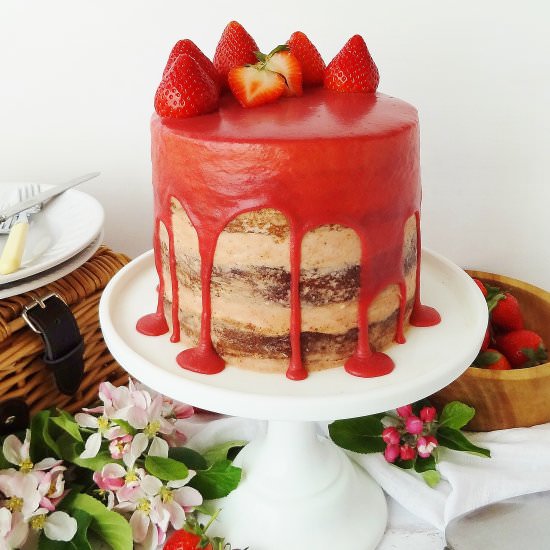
x,y
519,464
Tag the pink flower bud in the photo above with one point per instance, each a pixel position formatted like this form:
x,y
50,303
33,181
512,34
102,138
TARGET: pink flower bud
x,y
391,453
119,446
414,425
426,445
428,414
405,411
407,452
391,436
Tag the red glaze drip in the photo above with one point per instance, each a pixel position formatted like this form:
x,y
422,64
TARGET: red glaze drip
x,y
422,315
296,369
325,158
175,337
154,324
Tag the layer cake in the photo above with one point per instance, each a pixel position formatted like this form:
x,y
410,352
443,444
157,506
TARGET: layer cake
x,y
287,236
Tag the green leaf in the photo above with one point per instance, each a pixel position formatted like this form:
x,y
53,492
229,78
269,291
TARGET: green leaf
x,y
218,481
126,426
67,423
166,469
109,526
424,464
362,435
42,442
456,415
431,477
78,542
219,452
192,459
71,451
404,464
456,440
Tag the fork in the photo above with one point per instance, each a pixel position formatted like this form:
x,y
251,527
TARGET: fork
x,y
10,260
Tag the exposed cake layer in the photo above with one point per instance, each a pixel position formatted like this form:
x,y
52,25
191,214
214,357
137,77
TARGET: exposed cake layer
x,y
250,302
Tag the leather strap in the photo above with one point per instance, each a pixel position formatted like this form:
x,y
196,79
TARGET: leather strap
x,y
63,344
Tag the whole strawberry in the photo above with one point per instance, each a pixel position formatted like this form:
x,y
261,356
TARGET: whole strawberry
x,y
313,66
185,540
188,47
235,48
186,90
481,286
492,359
352,69
506,315
523,348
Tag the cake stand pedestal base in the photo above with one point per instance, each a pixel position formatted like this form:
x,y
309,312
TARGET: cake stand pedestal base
x,y
295,484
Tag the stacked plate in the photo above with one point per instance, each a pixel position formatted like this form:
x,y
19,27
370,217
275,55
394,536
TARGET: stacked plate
x,y
62,236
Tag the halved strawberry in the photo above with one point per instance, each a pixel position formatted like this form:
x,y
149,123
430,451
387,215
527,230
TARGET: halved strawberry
x,y
313,66
255,85
186,90
190,48
281,61
236,47
352,69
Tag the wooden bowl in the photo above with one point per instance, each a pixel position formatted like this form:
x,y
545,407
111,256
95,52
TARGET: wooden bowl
x,y
507,398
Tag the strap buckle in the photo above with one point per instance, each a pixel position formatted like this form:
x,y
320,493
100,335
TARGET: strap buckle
x,y
38,302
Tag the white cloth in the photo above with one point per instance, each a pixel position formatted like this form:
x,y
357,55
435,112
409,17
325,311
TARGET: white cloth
x,y
519,464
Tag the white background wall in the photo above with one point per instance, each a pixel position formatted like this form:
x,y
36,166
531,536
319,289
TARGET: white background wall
x,y
77,80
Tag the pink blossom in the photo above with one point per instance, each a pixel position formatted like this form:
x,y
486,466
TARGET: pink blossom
x,y
392,452
426,445
13,529
391,435
405,411
407,452
414,425
428,414
52,487
119,446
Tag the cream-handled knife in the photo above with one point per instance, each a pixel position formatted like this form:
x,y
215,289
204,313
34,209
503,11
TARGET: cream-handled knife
x,y
12,254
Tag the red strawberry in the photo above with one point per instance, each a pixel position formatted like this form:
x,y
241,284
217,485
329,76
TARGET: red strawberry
x,y
353,69
281,61
492,359
190,48
523,348
186,90
506,314
313,66
486,340
184,540
236,47
481,286
254,85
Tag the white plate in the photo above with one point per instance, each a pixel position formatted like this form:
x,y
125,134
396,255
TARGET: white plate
x,y
431,358
53,274
65,226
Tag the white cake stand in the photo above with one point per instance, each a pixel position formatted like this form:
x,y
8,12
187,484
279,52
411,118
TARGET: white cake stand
x,y
298,489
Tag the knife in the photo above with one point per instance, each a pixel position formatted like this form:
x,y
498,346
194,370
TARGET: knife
x,y
44,196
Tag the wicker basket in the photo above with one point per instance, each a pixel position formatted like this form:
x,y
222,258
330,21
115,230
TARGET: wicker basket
x,y
23,374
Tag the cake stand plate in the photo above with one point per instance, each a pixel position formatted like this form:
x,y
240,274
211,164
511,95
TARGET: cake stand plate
x,y
298,489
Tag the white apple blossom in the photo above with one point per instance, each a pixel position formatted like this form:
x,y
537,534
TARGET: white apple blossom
x,y
17,453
